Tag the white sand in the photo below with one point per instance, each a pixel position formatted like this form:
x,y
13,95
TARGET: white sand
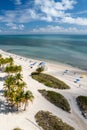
x,y
26,120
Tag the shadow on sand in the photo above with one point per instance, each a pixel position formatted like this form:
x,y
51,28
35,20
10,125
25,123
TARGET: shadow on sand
x,y
3,78
6,108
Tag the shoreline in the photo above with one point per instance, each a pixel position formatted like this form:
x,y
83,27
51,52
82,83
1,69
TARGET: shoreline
x,y
50,61
75,118
39,60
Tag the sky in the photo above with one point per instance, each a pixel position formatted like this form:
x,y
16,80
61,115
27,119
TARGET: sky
x,y
43,16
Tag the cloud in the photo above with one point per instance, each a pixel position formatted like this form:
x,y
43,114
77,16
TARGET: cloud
x,y
48,10
58,29
15,26
42,10
12,26
48,29
78,20
18,2
51,4
82,12
28,15
21,26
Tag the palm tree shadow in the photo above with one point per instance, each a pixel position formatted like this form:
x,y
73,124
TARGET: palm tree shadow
x,y
6,108
3,78
1,92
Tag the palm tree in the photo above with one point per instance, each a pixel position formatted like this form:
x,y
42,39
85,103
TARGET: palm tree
x,y
18,69
18,77
9,81
2,62
20,86
8,70
0,56
14,86
5,61
9,94
13,69
28,96
17,101
11,61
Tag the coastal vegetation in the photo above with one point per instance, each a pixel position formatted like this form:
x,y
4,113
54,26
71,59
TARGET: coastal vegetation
x,y
5,61
13,69
49,80
82,103
17,129
48,121
57,99
14,90
39,70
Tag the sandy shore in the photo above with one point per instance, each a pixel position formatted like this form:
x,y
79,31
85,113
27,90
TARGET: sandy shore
x,y
26,120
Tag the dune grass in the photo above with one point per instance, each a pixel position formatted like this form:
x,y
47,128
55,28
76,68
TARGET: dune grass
x,y
82,103
49,80
17,129
50,122
57,99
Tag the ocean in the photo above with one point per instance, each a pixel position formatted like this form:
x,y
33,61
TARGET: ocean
x,y
67,49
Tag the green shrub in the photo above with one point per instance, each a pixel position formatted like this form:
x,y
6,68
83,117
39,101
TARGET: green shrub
x,y
40,69
17,129
82,103
49,80
50,122
57,99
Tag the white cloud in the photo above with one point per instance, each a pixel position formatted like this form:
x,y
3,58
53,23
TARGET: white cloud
x,y
48,29
15,26
53,10
78,20
58,29
43,10
68,4
12,26
21,26
50,4
82,12
18,2
47,10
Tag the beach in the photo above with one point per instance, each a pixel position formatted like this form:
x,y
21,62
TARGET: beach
x,y
25,120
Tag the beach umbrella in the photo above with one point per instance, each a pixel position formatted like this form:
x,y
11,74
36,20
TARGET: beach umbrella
x,y
77,80
83,75
66,71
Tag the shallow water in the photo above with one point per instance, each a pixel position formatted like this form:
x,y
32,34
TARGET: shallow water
x,y
68,49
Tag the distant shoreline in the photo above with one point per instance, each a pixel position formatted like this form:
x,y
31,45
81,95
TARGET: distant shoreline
x,y
50,62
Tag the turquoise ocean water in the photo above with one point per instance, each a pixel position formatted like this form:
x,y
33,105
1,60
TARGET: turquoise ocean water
x,y
67,49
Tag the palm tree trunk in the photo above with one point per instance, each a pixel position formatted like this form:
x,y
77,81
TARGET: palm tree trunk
x,y
17,106
25,106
